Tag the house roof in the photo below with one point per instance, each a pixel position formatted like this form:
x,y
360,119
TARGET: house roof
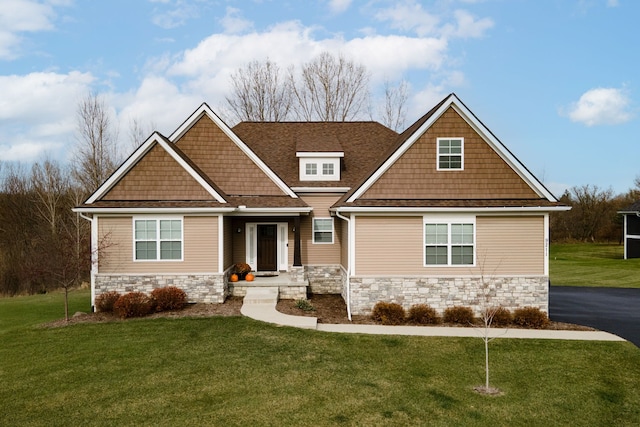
x,y
277,143
633,208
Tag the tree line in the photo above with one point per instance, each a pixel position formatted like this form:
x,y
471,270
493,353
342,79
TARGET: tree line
x,y
44,245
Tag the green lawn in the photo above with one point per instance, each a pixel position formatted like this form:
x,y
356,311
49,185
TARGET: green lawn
x,y
592,264
239,372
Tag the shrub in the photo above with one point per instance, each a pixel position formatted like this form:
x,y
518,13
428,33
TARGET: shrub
x,y
530,317
458,314
422,314
133,304
168,298
305,305
106,301
501,317
388,313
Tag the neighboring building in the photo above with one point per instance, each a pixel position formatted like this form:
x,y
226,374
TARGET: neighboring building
x,y
631,231
351,208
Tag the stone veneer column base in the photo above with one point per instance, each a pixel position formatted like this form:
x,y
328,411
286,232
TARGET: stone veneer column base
x,y
442,293
209,288
325,279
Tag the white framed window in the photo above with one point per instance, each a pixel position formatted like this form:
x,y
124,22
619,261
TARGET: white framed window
x,y
449,242
323,230
319,169
157,239
450,154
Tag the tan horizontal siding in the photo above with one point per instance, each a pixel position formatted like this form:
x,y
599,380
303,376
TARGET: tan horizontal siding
x,y
200,248
511,245
320,254
394,245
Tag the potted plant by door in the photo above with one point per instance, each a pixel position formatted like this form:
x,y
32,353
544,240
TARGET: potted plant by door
x,y
241,269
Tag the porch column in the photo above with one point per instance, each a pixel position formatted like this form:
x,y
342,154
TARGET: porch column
x,y
297,257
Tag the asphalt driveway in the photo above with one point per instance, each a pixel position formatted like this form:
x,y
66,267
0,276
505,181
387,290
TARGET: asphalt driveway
x,y
615,310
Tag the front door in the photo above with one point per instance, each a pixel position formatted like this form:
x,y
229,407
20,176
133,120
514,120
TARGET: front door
x,y
267,259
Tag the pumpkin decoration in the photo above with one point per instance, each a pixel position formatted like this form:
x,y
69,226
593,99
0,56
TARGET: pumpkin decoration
x,y
233,277
249,277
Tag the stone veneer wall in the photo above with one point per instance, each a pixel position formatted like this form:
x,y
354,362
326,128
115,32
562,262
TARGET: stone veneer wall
x,y
325,279
441,293
208,288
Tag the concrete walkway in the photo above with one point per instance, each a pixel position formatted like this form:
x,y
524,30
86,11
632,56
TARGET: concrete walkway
x,y
260,304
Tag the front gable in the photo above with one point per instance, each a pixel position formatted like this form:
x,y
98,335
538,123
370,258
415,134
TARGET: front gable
x,y
482,175
484,169
157,176
225,159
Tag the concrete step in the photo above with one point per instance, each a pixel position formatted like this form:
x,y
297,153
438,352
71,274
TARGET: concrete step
x,y
261,295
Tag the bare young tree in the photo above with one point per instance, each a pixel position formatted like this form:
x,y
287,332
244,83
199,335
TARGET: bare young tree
x,y
138,133
260,93
330,88
50,185
96,154
393,112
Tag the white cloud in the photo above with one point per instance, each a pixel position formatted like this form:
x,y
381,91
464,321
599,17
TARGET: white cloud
x,y
601,106
37,110
24,16
339,6
233,23
467,26
177,16
613,3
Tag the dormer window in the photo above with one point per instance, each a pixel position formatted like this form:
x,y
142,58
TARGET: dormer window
x,y
319,166
450,154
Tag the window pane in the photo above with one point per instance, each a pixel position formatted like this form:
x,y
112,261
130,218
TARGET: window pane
x,y
311,169
170,250
146,250
322,237
462,255
170,229
324,224
436,255
462,233
436,234
327,169
145,229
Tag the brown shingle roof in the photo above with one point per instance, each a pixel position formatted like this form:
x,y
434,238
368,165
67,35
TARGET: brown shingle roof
x,y
265,202
276,144
450,203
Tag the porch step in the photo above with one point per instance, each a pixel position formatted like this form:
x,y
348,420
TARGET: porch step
x,y
261,295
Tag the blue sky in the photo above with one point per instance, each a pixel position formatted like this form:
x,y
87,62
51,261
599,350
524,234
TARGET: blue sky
x,y
557,81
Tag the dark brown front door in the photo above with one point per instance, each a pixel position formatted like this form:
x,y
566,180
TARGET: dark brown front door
x,y
267,247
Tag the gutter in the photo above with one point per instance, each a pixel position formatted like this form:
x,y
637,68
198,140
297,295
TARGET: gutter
x,y
349,265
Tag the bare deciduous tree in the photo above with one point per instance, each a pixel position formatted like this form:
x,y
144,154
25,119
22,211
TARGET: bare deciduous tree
x,y
50,184
393,113
96,154
138,133
260,93
330,88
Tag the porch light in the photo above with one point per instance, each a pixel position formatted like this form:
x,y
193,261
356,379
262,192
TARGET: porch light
x,y
239,230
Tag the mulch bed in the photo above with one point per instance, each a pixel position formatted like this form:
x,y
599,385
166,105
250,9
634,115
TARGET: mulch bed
x,y
330,309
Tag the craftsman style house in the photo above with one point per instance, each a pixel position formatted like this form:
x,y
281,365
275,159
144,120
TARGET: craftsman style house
x,y
352,208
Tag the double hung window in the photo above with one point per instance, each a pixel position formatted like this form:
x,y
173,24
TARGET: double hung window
x,y
157,239
450,153
322,230
449,243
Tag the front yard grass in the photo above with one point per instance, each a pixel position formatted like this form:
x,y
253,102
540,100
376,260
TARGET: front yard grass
x,y
234,371
593,265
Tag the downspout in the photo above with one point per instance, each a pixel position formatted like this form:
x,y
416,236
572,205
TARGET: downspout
x,y
348,262
94,257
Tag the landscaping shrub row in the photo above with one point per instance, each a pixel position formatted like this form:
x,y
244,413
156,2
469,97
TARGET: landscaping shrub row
x,y
139,304
389,313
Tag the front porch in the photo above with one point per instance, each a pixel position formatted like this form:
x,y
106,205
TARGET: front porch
x,y
290,285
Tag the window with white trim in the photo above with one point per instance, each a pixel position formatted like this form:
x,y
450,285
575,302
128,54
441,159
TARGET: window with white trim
x,y
449,243
157,239
311,169
450,153
319,168
322,230
327,169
